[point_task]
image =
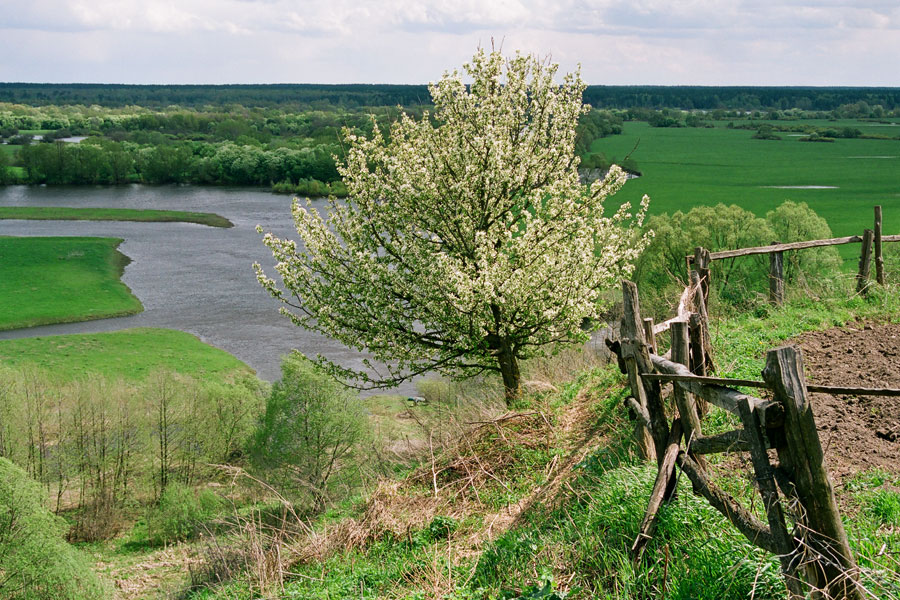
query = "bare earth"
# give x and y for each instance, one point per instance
(857, 433)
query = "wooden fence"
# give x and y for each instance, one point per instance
(700, 260)
(815, 556)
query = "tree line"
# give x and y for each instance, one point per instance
(353, 96)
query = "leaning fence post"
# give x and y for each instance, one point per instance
(830, 563)
(879, 259)
(865, 258)
(776, 277)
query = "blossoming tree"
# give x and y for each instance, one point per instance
(468, 242)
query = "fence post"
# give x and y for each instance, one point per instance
(647, 393)
(865, 259)
(649, 335)
(687, 407)
(776, 277)
(831, 567)
(701, 265)
(879, 259)
(765, 480)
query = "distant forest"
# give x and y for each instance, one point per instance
(316, 96)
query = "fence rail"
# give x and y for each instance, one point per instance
(871, 244)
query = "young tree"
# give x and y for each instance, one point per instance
(312, 426)
(468, 242)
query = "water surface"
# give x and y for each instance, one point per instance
(190, 277)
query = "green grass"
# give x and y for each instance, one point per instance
(686, 167)
(59, 213)
(131, 354)
(9, 149)
(47, 280)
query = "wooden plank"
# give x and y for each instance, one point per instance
(879, 258)
(729, 441)
(853, 239)
(709, 380)
(723, 397)
(865, 261)
(765, 480)
(662, 489)
(832, 568)
(752, 528)
(856, 391)
(776, 278)
(824, 389)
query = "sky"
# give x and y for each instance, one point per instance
(659, 42)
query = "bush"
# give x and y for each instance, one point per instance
(35, 561)
(181, 513)
(661, 270)
(309, 434)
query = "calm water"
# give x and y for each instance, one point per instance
(190, 277)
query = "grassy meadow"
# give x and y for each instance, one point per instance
(129, 354)
(685, 167)
(61, 213)
(47, 280)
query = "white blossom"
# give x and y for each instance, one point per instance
(468, 242)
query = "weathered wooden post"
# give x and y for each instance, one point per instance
(649, 335)
(830, 566)
(765, 479)
(865, 259)
(776, 277)
(701, 265)
(879, 259)
(636, 355)
(687, 407)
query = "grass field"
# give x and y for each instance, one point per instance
(60, 213)
(686, 167)
(131, 354)
(47, 280)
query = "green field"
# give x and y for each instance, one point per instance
(130, 354)
(60, 213)
(686, 167)
(47, 280)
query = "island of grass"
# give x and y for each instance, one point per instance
(129, 354)
(46, 280)
(61, 213)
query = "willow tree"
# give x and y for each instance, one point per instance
(468, 241)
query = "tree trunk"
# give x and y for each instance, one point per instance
(509, 370)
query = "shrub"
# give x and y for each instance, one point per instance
(35, 561)
(795, 222)
(181, 513)
(661, 269)
(309, 434)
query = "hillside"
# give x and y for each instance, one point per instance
(544, 501)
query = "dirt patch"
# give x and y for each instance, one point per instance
(857, 432)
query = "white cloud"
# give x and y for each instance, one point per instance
(824, 42)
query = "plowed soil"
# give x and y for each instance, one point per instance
(857, 432)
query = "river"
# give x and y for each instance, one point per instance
(190, 277)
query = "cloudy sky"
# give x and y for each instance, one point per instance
(701, 42)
